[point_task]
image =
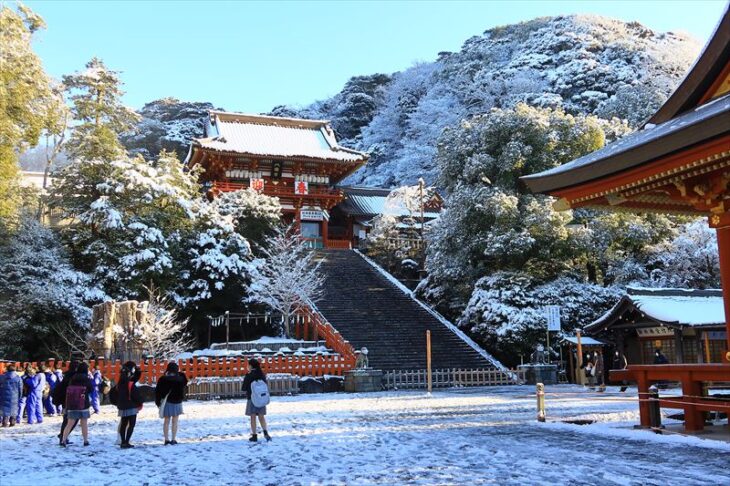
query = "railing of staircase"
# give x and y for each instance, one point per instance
(311, 325)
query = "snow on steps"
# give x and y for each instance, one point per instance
(496, 363)
(369, 308)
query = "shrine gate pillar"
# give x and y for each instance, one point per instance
(723, 246)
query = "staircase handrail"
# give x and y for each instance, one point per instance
(439, 317)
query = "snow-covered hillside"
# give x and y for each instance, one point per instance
(167, 124)
(584, 63)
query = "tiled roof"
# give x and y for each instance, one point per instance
(270, 136)
(360, 201)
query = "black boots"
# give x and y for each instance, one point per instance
(253, 438)
(266, 434)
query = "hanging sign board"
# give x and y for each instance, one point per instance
(257, 184)
(301, 187)
(654, 331)
(552, 313)
(311, 215)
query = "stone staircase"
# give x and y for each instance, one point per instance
(370, 310)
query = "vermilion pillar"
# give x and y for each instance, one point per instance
(723, 244)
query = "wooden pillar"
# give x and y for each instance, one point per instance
(723, 245)
(642, 383)
(325, 229)
(679, 346)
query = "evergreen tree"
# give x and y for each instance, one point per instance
(26, 98)
(96, 96)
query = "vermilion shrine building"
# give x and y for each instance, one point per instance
(299, 161)
(679, 162)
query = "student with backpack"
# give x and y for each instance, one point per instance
(169, 394)
(257, 393)
(128, 401)
(77, 403)
(59, 397)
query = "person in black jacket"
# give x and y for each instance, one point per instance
(59, 399)
(251, 410)
(80, 382)
(129, 401)
(170, 389)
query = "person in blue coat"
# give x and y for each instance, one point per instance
(35, 382)
(94, 395)
(23, 396)
(59, 378)
(11, 389)
(51, 379)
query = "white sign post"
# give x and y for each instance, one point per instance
(552, 313)
(553, 317)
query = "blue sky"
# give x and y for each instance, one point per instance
(251, 56)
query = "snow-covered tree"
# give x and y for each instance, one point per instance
(162, 333)
(254, 215)
(288, 278)
(126, 217)
(690, 260)
(505, 311)
(96, 96)
(39, 293)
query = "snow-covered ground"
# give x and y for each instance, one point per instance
(465, 436)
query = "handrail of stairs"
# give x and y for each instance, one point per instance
(441, 318)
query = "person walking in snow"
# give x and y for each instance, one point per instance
(59, 397)
(59, 378)
(35, 383)
(51, 382)
(11, 390)
(96, 380)
(129, 402)
(77, 403)
(169, 394)
(619, 363)
(599, 370)
(23, 397)
(589, 370)
(255, 375)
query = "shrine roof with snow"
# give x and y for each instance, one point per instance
(274, 137)
(668, 307)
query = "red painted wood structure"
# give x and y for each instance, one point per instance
(298, 161)
(308, 324)
(679, 162)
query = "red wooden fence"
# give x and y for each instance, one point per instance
(307, 323)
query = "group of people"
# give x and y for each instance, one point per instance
(34, 393)
(78, 390)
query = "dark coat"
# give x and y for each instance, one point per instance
(659, 358)
(172, 386)
(253, 375)
(82, 379)
(128, 396)
(11, 389)
(58, 396)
